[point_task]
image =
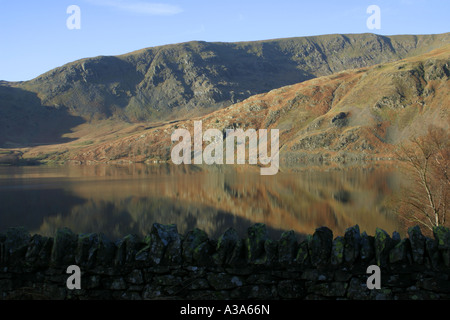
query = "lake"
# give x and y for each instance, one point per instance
(120, 200)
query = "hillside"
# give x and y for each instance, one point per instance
(354, 114)
(181, 81)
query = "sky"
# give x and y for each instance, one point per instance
(37, 36)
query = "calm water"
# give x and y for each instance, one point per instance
(119, 200)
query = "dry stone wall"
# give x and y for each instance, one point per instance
(167, 265)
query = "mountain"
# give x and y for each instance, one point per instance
(194, 78)
(351, 115)
(175, 81)
(105, 99)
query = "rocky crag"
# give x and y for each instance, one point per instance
(360, 114)
(194, 77)
(181, 81)
(167, 265)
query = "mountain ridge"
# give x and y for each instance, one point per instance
(39, 112)
(194, 78)
(358, 114)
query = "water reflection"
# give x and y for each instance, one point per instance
(118, 200)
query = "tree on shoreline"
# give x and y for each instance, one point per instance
(426, 200)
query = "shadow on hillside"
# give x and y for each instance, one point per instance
(266, 69)
(25, 122)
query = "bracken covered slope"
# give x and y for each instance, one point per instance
(183, 80)
(355, 114)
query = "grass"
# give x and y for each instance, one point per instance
(84, 143)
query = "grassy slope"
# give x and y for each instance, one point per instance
(384, 105)
(83, 109)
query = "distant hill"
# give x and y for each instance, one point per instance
(356, 114)
(192, 78)
(98, 100)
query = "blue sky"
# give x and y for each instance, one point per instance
(34, 36)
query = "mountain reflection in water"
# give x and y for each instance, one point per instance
(119, 200)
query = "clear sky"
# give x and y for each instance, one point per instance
(34, 36)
